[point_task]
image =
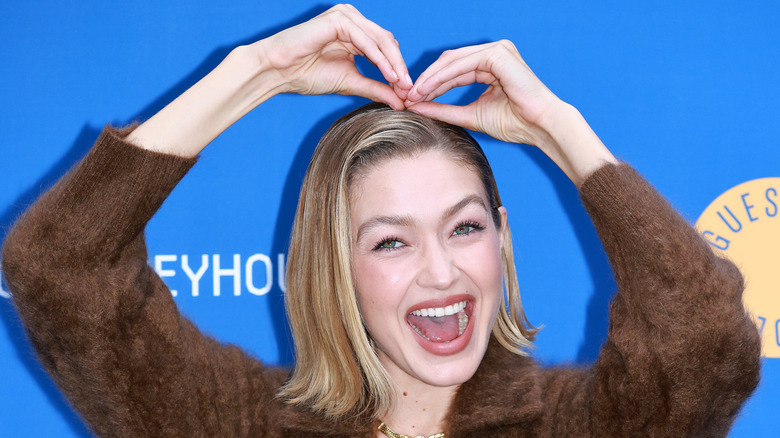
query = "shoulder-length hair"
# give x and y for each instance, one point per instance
(337, 371)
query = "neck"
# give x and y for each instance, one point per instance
(419, 409)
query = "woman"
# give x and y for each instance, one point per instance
(398, 260)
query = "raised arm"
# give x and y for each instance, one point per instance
(517, 107)
(103, 323)
(681, 355)
(316, 57)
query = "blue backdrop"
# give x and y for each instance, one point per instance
(687, 92)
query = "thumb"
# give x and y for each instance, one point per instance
(359, 85)
(462, 116)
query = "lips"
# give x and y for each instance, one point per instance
(442, 327)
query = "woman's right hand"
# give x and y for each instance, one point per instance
(315, 57)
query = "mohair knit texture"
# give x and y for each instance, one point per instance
(680, 358)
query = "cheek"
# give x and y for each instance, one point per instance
(379, 284)
(484, 266)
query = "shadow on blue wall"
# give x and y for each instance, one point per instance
(284, 221)
(597, 312)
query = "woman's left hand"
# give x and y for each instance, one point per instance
(517, 107)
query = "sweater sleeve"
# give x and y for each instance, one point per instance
(104, 324)
(681, 354)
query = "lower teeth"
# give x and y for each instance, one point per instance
(420, 333)
(463, 322)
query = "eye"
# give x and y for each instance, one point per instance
(389, 244)
(465, 228)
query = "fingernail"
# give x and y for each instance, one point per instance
(409, 80)
(395, 75)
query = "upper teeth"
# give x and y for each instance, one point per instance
(441, 311)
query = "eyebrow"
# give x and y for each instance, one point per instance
(407, 221)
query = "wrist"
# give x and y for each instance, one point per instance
(559, 121)
(262, 61)
(248, 78)
(572, 144)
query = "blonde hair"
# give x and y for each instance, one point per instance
(337, 371)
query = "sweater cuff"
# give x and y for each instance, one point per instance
(607, 179)
(114, 139)
(109, 197)
(638, 226)
(622, 206)
(118, 174)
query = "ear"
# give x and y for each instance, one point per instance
(502, 231)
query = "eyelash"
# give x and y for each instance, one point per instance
(474, 225)
(380, 246)
(471, 224)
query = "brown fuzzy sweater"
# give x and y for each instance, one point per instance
(680, 359)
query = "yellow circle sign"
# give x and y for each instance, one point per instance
(743, 225)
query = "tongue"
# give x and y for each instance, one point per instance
(436, 329)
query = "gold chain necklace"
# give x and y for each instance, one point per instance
(389, 432)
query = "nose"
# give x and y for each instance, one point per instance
(437, 268)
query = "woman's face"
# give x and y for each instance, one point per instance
(427, 266)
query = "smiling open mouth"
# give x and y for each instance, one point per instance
(440, 324)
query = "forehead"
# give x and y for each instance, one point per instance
(422, 184)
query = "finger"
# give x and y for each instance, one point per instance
(467, 78)
(362, 44)
(387, 45)
(489, 61)
(391, 50)
(371, 41)
(438, 72)
(339, 20)
(460, 72)
(359, 85)
(462, 116)
(400, 92)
